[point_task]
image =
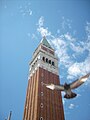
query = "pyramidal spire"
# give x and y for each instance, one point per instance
(45, 42)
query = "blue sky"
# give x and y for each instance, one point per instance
(66, 24)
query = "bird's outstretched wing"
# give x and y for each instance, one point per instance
(79, 82)
(52, 87)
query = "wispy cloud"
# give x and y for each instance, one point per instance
(81, 68)
(78, 69)
(66, 23)
(41, 29)
(25, 10)
(34, 37)
(41, 21)
(71, 106)
(88, 30)
(69, 37)
(73, 53)
(68, 48)
(60, 46)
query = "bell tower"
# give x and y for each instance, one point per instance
(42, 103)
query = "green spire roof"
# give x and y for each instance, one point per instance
(45, 42)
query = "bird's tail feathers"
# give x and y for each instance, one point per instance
(70, 96)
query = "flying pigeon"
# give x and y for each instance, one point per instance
(67, 88)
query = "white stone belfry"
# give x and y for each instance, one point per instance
(45, 58)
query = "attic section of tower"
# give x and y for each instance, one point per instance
(44, 46)
(45, 42)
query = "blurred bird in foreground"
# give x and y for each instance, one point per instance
(67, 88)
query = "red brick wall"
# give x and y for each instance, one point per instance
(52, 108)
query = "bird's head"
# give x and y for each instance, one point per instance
(66, 86)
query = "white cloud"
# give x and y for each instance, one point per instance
(29, 12)
(78, 69)
(66, 23)
(78, 48)
(61, 50)
(74, 69)
(34, 36)
(71, 106)
(41, 21)
(88, 30)
(87, 45)
(78, 95)
(25, 10)
(66, 42)
(43, 31)
(69, 37)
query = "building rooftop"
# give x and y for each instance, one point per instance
(45, 42)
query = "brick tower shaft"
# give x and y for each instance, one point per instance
(42, 103)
